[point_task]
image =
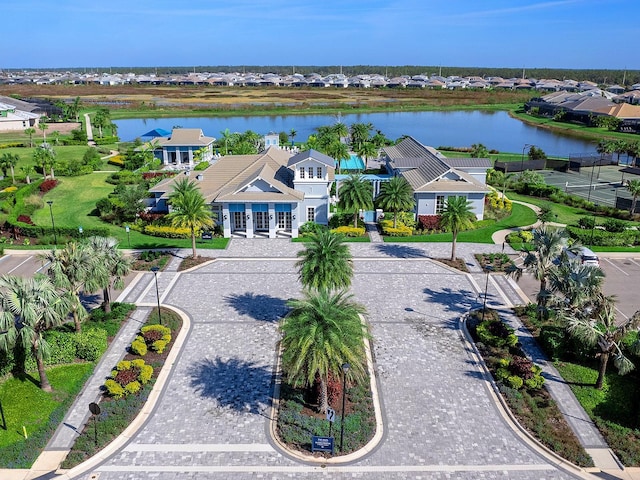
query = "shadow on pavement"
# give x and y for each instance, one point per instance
(236, 384)
(259, 307)
(401, 251)
(457, 301)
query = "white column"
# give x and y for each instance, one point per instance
(295, 219)
(226, 220)
(272, 221)
(249, 218)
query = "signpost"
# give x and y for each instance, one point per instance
(94, 408)
(322, 444)
(207, 236)
(331, 417)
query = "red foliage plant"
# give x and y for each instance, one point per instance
(48, 185)
(151, 217)
(429, 222)
(25, 219)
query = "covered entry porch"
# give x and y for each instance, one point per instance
(267, 220)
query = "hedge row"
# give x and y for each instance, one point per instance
(603, 238)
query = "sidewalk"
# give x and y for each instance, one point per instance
(501, 235)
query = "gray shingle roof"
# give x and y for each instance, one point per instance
(469, 162)
(314, 154)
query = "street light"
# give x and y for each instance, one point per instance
(487, 269)
(155, 274)
(80, 230)
(345, 369)
(53, 225)
(522, 159)
(593, 227)
(128, 230)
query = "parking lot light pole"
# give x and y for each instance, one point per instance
(522, 158)
(345, 369)
(128, 230)
(593, 227)
(53, 224)
(155, 274)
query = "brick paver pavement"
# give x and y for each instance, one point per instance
(439, 420)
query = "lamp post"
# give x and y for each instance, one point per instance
(593, 227)
(522, 158)
(487, 269)
(128, 230)
(155, 274)
(80, 230)
(53, 224)
(345, 369)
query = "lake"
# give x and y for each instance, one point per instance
(496, 130)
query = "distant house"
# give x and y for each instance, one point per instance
(434, 178)
(269, 194)
(183, 148)
(13, 119)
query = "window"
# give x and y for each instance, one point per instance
(319, 172)
(311, 214)
(310, 172)
(301, 172)
(439, 204)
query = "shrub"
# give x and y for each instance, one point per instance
(429, 222)
(342, 219)
(48, 185)
(156, 337)
(25, 219)
(159, 346)
(114, 389)
(10, 189)
(614, 225)
(146, 372)
(308, 228)
(62, 347)
(201, 166)
(399, 231)
(514, 382)
(496, 333)
(587, 222)
(33, 202)
(349, 231)
(91, 344)
(167, 232)
(132, 387)
(139, 346)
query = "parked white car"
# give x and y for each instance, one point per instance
(585, 256)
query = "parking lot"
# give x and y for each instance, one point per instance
(622, 273)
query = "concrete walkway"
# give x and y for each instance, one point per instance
(372, 230)
(500, 236)
(87, 120)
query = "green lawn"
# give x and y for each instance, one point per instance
(74, 202)
(520, 216)
(565, 214)
(25, 405)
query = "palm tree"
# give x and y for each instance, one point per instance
(634, 189)
(74, 108)
(45, 156)
(605, 332)
(340, 129)
(366, 150)
(29, 307)
(28, 170)
(75, 269)
(226, 137)
(116, 266)
(359, 134)
(355, 194)
(326, 262)
(548, 244)
(478, 150)
(11, 159)
(292, 134)
(396, 195)
(30, 131)
(322, 332)
(43, 126)
(338, 151)
(575, 285)
(182, 187)
(457, 215)
(190, 211)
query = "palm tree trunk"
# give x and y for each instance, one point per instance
(453, 246)
(106, 299)
(53, 177)
(355, 220)
(324, 396)
(44, 381)
(395, 219)
(604, 359)
(633, 204)
(76, 320)
(13, 176)
(193, 244)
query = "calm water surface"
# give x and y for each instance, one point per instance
(496, 130)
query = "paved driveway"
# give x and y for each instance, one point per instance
(212, 420)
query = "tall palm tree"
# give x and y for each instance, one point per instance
(573, 284)
(30, 131)
(45, 156)
(75, 269)
(190, 211)
(43, 126)
(634, 189)
(359, 134)
(603, 331)
(29, 307)
(322, 332)
(227, 137)
(116, 265)
(326, 262)
(338, 151)
(11, 159)
(28, 170)
(548, 243)
(366, 150)
(355, 193)
(478, 150)
(396, 195)
(457, 215)
(292, 134)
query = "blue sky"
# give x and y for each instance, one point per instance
(490, 33)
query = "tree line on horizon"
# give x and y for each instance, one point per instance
(600, 76)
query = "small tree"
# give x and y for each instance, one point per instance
(478, 150)
(396, 195)
(190, 211)
(355, 194)
(326, 262)
(634, 189)
(457, 215)
(30, 131)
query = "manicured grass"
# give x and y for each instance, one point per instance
(614, 409)
(520, 216)
(565, 214)
(74, 203)
(25, 404)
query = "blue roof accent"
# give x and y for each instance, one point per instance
(157, 132)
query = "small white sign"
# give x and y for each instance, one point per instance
(331, 414)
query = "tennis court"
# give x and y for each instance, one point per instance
(598, 184)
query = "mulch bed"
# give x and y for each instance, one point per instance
(458, 263)
(191, 262)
